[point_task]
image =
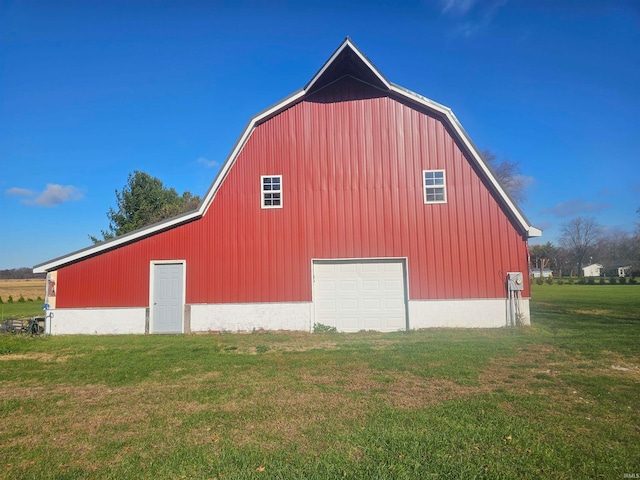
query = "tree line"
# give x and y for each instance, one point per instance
(583, 242)
(19, 274)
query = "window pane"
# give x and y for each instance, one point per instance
(435, 194)
(271, 188)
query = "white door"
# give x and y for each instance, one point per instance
(167, 298)
(360, 295)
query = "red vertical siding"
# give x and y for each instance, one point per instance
(351, 161)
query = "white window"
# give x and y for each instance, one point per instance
(271, 191)
(435, 189)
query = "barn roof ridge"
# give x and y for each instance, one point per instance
(346, 56)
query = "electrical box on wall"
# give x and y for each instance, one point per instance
(515, 281)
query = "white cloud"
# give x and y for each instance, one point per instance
(526, 181)
(475, 16)
(52, 196)
(457, 7)
(575, 206)
(208, 163)
(22, 192)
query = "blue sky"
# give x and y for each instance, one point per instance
(90, 91)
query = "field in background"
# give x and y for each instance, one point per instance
(555, 400)
(31, 288)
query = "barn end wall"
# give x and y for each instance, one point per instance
(482, 313)
(352, 162)
(96, 321)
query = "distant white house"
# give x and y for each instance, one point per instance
(593, 270)
(624, 271)
(535, 273)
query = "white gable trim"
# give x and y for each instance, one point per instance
(464, 138)
(127, 238)
(445, 112)
(347, 43)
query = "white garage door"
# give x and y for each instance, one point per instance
(360, 295)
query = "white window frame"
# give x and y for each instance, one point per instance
(430, 189)
(265, 193)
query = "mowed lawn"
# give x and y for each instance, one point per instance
(559, 399)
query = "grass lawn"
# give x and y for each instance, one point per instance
(559, 399)
(20, 309)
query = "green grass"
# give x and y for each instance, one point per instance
(555, 400)
(17, 309)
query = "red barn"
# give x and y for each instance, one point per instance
(352, 203)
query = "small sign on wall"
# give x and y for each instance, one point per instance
(52, 286)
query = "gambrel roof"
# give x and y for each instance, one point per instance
(347, 60)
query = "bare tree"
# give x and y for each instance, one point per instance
(508, 175)
(543, 255)
(562, 261)
(616, 248)
(579, 237)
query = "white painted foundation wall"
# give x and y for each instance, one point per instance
(476, 313)
(245, 317)
(96, 321)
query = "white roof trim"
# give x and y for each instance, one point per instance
(259, 118)
(462, 135)
(240, 145)
(204, 206)
(347, 43)
(127, 238)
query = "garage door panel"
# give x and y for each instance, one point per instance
(394, 285)
(327, 286)
(349, 285)
(392, 267)
(346, 268)
(393, 304)
(395, 324)
(349, 323)
(349, 304)
(360, 295)
(369, 267)
(371, 285)
(328, 303)
(371, 304)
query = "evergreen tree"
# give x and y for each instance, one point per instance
(143, 201)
